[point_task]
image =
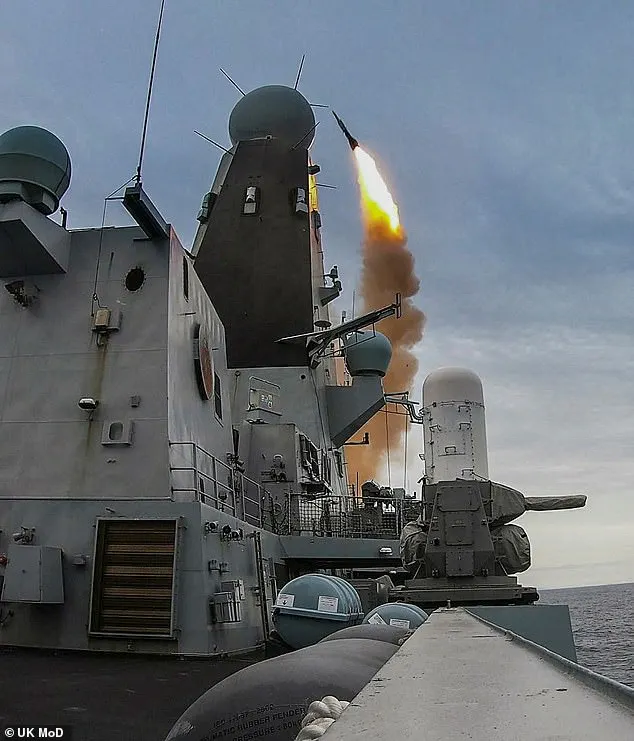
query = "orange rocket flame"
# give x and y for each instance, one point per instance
(378, 204)
(388, 269)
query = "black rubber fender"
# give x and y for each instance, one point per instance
(388, 633)
(268, 700)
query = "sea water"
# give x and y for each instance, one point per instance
(603, 625)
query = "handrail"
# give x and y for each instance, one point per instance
(327, 516)
(348, 517)
(231, 496)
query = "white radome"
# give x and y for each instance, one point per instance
(454, 426)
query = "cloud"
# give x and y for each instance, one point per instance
(532, 290)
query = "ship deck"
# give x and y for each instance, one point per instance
(459, 677)
(104, 697)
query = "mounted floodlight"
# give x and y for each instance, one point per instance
(88, 404)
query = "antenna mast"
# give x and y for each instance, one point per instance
(233, 82)
(299, 72)
(149, 93)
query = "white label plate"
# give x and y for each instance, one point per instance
(327, 604)
(377, 620)
(285, 600)
(399, 623)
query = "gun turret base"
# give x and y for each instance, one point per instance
(432, 593)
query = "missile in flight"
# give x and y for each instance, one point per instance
(351, 140)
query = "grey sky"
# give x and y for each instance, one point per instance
(506, 131)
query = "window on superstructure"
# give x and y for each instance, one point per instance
(326, 468)
(217, 397)
(115, 432)
(251, 201)
(185, 278)
(135, 279)
(339, 463)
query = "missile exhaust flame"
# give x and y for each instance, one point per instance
(388, 268)
(376, 199)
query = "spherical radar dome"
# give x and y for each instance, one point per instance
(276, 111)
(452, 384)
(34, 165)
(367, 353)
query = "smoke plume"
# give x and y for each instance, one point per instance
(388, 269)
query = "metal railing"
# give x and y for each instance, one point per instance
(352, 517)
(196, 471)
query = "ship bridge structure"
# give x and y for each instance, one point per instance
(172, 420)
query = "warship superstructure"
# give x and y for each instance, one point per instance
(174, 421)
(173, 425)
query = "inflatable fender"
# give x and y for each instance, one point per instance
(268, 700)
(388, 633)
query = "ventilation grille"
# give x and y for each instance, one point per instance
(133, 580)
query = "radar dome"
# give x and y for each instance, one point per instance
(452, 384)
(454, 426)
(276, 111)
(34, 166)
(367, 353)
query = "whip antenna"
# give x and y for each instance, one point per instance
(149, 93)
(299, 72)
(232, 81)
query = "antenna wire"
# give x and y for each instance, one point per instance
(149, 93)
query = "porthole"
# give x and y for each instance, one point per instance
(135, 279)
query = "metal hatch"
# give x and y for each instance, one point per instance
(134, 578)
